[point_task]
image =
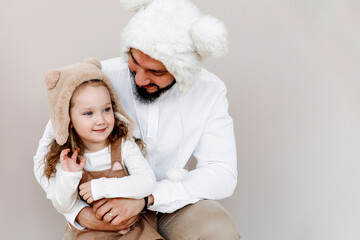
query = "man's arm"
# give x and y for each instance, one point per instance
(48, 185)
(215, 176)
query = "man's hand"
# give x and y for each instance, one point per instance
(69, 164)
(87, 219)
(85, 192)
(118, 210)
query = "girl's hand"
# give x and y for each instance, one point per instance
(69, 164)
(85, 192)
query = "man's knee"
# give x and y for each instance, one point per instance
(215, 222)
(203, 220)
(68, 234)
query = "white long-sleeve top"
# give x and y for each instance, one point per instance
(140, 182)
(176, 127)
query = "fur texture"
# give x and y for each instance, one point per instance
(175, 33)
(61, 84)
(209, 36)
(134, 5)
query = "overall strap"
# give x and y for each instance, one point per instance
(116, 152)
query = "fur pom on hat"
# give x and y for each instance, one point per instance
(175, 33)
(61, 84)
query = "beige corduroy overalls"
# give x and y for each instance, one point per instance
(145, 227)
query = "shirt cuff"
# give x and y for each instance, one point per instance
(71, 178)
(71, 217)
(97, 188)
(170, 196)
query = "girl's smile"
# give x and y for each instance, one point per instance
(100, 130)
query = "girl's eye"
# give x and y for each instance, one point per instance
(88, 113)
(107, 109)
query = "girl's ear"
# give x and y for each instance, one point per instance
(52, 78)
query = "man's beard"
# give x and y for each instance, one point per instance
(143, 96)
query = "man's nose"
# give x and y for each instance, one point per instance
(142, 78)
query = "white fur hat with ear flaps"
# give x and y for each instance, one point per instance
(61, 84)
(175, 33)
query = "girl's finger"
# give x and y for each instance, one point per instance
(86, 196)
(75, 154)
(64, 153)
(82, 162)
(82, 193)
(84, 185)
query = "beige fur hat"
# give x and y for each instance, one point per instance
(61, 84)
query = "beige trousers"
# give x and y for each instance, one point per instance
(205, 219)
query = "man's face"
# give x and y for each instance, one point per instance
(151, 76)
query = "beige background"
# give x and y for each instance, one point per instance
(294, 91)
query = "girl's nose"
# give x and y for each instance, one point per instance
(100, 119)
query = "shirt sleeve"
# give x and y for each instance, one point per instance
(65, 196)
(140, 182)
(215, 176)
(48, 185)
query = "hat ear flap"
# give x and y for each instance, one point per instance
(209, 36)
(52, 78)
(135, 5)
(122, 118)
(93, 61)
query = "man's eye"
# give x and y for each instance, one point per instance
(157, 74)
(88, 113)
(132, 72)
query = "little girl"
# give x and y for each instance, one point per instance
(94, 149)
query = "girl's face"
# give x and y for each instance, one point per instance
(92, 116)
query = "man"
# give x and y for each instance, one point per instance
(180, 110)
